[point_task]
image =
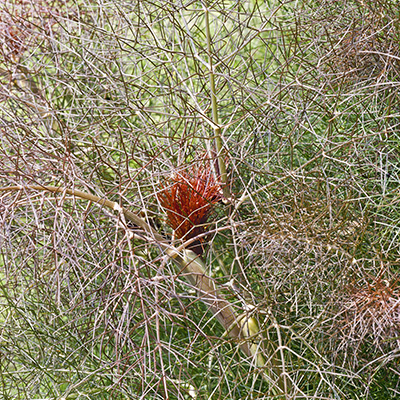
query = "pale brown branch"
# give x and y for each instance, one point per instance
(190, 265)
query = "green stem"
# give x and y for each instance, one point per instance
(214, 106)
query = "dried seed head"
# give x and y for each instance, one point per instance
(373, 310)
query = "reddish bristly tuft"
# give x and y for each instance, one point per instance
(189, 198)
(374, 310)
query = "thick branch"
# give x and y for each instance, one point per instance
(190, 265)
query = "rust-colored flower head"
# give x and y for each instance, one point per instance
(374, 310)
(189, 198)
